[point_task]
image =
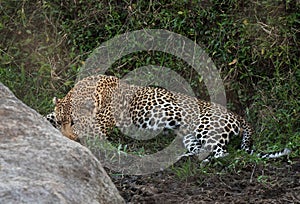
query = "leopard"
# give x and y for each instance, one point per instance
(101, 102)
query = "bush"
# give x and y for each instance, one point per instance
(255, 46)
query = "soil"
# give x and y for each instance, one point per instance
(268, 183)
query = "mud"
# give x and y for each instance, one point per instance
(268, 183)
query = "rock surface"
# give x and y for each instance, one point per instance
(39, 165)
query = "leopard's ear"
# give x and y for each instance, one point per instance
(55, 100)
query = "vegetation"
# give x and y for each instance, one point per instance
(254, 44)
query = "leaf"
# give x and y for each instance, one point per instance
(233, 62)
(245, 22)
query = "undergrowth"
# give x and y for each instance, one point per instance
(254, 44)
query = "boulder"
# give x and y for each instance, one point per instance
(39, 165)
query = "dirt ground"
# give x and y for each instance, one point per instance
(253, 184)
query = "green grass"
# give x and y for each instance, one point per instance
(255, 45)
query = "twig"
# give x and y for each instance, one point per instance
(251, 178)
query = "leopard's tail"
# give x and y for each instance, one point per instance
(273, 155)
(246, 144)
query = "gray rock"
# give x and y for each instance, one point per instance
(39, 165)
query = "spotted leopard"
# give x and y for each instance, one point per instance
(102, 102)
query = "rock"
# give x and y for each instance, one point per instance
(39, 165)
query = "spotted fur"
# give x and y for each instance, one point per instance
(102, 102)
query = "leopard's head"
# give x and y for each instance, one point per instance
(63, 112)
